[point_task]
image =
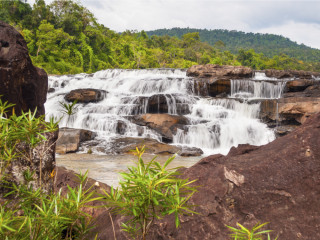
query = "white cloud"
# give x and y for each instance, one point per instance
(306, 33)
(298, 20)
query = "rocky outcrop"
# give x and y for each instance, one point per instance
(164, 124)
(300, 85)
(20, 82)
(280, 74)
(214, 80)
(216, 72)
(277, 183)
(128, 144)
(293, 108)
(69, 139)
(86, 95)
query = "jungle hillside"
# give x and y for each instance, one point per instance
(64, 37)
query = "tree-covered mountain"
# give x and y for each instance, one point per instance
(233, 41)
(65, 37)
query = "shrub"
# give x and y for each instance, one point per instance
(148, 192)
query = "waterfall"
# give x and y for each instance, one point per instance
(256, 89)
(215, 125)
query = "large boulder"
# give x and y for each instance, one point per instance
(277, 183)
(20, 82)
(300, 85)
(85, 95)
(164, 124)
(70, 138)
(290, 111)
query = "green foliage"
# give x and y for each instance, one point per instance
(268, 44)
(64, 38)
(147, 192)
(242, 233)
(14, 130)
(35, 214)
(32, 213)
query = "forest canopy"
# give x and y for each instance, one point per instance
(64, 37)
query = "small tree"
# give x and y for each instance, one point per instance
(148, 192)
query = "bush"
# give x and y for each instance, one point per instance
(148, 192)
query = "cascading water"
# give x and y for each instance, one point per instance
(215, 125)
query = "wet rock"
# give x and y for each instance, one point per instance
(20, 82)
(215, 79)
(190, 151)
(159, 103)
(289, 111)
(70, 138)
(51, 90)
(290, 74)
(121, 127)
(85, 95)
(164, 124)
(215, 72)
(126, 145)
(219, 88)
(300, 85)
(310, 91)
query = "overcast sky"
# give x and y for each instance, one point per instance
(297, 20)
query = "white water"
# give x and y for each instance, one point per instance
(215, 124)
(256, 89)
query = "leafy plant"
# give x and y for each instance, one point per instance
(29, 212)
(147, 192)
(69, 108)
(47, 216)
(242, 233)
(25, 129)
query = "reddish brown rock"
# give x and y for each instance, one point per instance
(20, 82)
(166, 125)
(291, 74)
(293, 110)
(214, 80)
(215, 72)
(300, 85)
(277, 183)
(85, 95)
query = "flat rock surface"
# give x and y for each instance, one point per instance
(70, 138)
(215, 71)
